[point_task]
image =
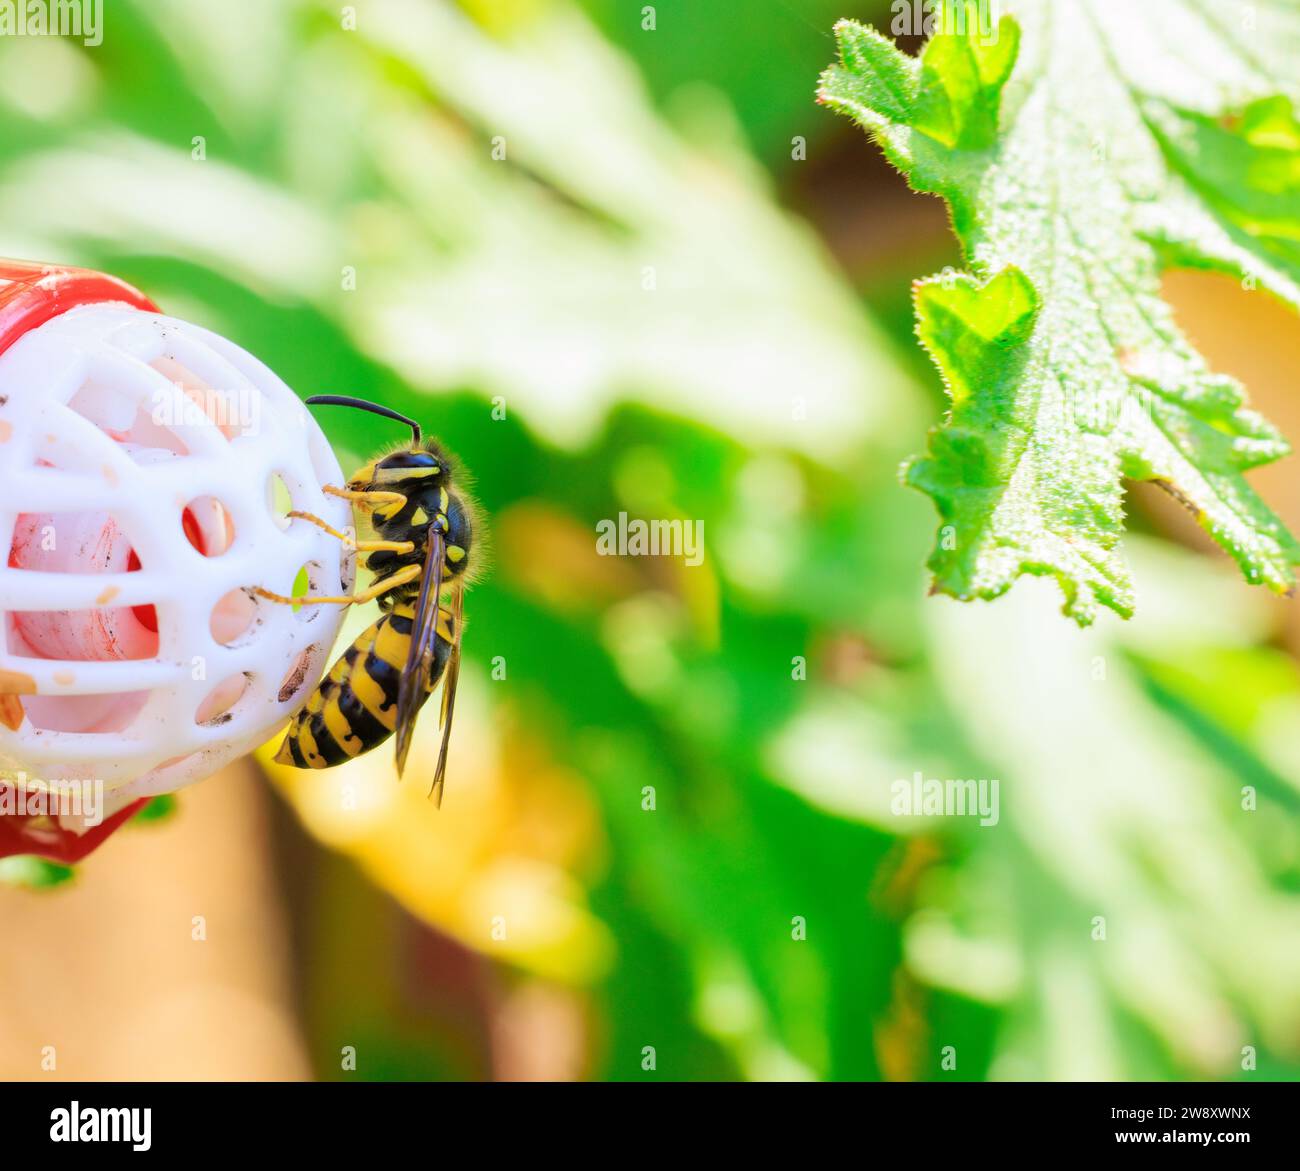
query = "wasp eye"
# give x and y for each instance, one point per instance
(409, 459)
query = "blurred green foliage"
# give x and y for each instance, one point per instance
(771, 916)
(157, 809)
(24, 870)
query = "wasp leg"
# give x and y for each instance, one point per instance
(373, 498)
(406, 574)
(351, 542)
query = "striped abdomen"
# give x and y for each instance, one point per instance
(354, 708)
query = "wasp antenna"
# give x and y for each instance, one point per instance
(343, 400)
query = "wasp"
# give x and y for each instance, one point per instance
(424, 524)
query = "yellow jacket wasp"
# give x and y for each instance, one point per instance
(379, 684)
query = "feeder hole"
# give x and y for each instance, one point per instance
(107, 634)
(147, 616)
(208, 526)
(68, 542)
(84, 714)
(142, 427)
(302, 586)
(280, 500)
(232, 617)
(216, 707)
(294, 681)
(82, 543)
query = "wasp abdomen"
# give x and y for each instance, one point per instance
(354, 708)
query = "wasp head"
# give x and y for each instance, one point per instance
(405, 470)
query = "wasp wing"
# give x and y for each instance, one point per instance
(413, 687)
(450, 679)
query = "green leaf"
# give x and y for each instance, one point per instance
(1081, 156)
(33, 873)
(160, 808)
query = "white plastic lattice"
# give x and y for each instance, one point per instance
(139, 458)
